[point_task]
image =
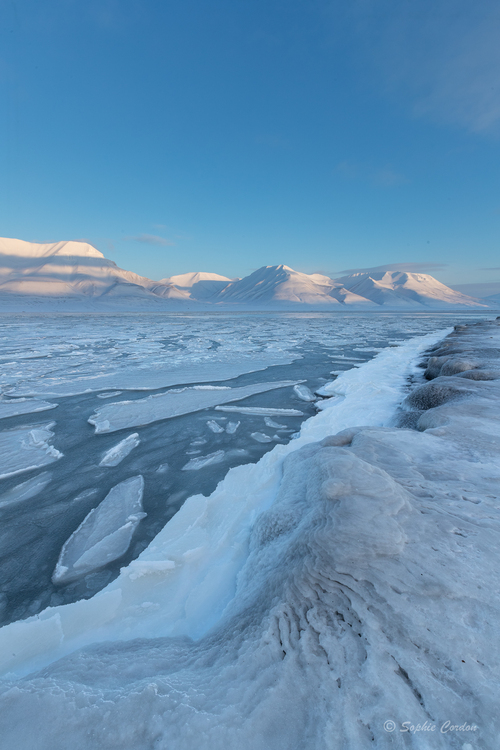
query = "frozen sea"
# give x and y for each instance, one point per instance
(160, 393)
(281, 533)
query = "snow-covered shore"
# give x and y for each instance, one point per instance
(330, 588)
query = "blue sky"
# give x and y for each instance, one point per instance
(222, 135)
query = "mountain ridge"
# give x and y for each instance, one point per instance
(74, 275)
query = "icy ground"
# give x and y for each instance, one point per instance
(328, 589)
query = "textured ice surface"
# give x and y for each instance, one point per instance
(13, 407)
(123, 414)
(195, 464)
(71, 354)
(231, 427)
(118, 452)
(76, 354)
(25, 448)
(104, 534)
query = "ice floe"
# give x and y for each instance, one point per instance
(118, 452)
(14, 407)
(271, 423)
(195, 464)
(25, 490)
(105, 533)
(214, 427)
(122, 414)
(231, 427)
(304, 393)
(260, 437)
(261, 410)
(26, 448)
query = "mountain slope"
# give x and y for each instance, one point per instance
(406, 290)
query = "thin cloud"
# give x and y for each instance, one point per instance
(495, 268)
(150, 239)
(409, 267)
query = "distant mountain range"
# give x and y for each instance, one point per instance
(74, 276)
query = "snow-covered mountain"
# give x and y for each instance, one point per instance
(403, 289)
(280, 286)
(76, 276)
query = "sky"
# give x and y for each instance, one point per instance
(224, 135)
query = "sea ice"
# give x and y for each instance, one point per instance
(14, 407)
(276, 425)
(195, 464)
(313, 598)
(109, 394)
(231, 427)
(26, 448)
(214, 427)
(105, 533)
(261, 410)
(304, 393)
(260, 437)
(123, 414)
(25, 490)
(118, 452)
